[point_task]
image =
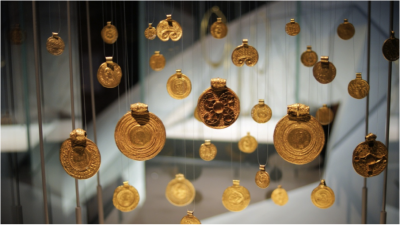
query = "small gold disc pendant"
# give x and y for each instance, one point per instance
(109, 73)
(126, 197)
(280, 196)
(390, 48)
(17, 36)
(190, 219)
(180, 191)
(358, 88)
(55, 44)
(169, 28)
(309, 57)
(292, 28)
(236, 198)
(207, 151)
(346, 30)
(323, 196)
(157, 61)
(179, 85)
(262, 178)
(324, 115)
(244, 54)
(324, 71)
(218, 29)
(150, 32)
(109, 33)
(261, 113)
(247, 144)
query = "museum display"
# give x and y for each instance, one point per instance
(207, 151)
(55, 44)
(150, 32)
(179, 85)
(279, 196)
(323, 196)
(309, 57)
(261, 113)
(324, 71)
(169, 29)
(218, 29)
(346, 30)
(358, 88)
(244, 54)
(390, 48)
(324, 115)
(109, 73)
(236, 197)
(180, 191)
(109, 33)
(190, 219)
(292, 28)
(157, 61)
(126, 197)
(247, 144)
(262, 178)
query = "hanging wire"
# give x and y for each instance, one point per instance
(194, 168)
(173, 7)
(81, 67)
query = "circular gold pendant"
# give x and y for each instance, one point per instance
(218, 29)
(324, 71)
(150, 32)
(309, 57)
(196, 114)
(324, 115)
(390, 48)
(236, 198)
(358, 88)
(261, 113)
(157, 61)
(109, 33)
(322, 196)
(248, 143)
(180, 191)
(218, 106)
(139, 134)
(292, 28)
(299, 137)
(55, 44)
(280, 196)
(126, 197)
(179, 85)
(169, 28)
(109, 73)
(207, 151)
(190, 219)
(79, 156)
(370, 157)
(16, 35)
(346, 30)
(262, 178)
(244, 54)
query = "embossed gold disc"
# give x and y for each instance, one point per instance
(346, 30)
(109, 73)
(358, 88)
(196, 114)
(298, 136)
(126, 197)
(370, 157)
(55, 44)
(244, 54)
(150, 32)
(79, 156)
(190, 219)
(280, 196)
(236, 198)
(207, 151)
(324, 71)
(292, 28)
(139, 134)
(219, 106)
(179, 85)
(309, 57)
(262, 178)
(390, 48)
(218, 29)
(261, 113)
(322, 196)
(247, 144)
(169, 28)
(157, 61)
(324, 115)
(17, 36)
(180, 191)
(109, 33)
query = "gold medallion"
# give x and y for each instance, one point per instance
(109, 73)
(179, 85)
(109, 33)
(298, 136)
(358, 88)
(244, 54)
(261, 113)
(218, 29)
(16, 35)
(169, 28)
(218, 105)
(324, 71)
(248, 143)
(280, 196)
(157, 61)
(150, 32)
(139, 134)
(126, 197)
(323, 196)
(309, 57)
(180, 191)
(79, 156)
(262, 178)
(207, 151)
(390, 48)
(196, 114)
(324, 115)
(236, 198)
(370, 157)
(292, 28)
(346, 30)
(55, 44)
(190, 219)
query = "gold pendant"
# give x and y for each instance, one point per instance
(280, 196)
(322, 196)
(358, 88)
(139, 134)
(218, 29)
(218, 106)
(207, 151)
(248, 143)
(324, 115)
(236, 198)
(261, 113)
(150, 32)
(370, 157)
(244, 53)
(109, 33)
(196, 114)
(390, 48)
(190, 219)
(324, 71)
(346, 30)
(309, 57)
(292, 28)
(157, 61)
(79, 156)
(179, 85)
(169, 28)
(17, 37)
(126, 197)
(109, 73)
(298, 136)
(180, 191)
(262, 178)
(55, 44)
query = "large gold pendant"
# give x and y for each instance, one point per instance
(79, 156)
(218, 29)
(261, 113)
(190, 219)
(126, 197)
(324, 71)
(370, 157)
(139, 134)
(324, 115)
(17, 36)
(244, 54)
(218, 106)
(179, 85)
(196, 114)
(298, 136)
(292, 28)
(109, 33)
(323, 196)
(236, 198)
(346, 30)
(109, 73)
(157, 61)
(358, 88)
(279, 196)
(390, 48)
(262, 178)
(55, 44)
(207, 151)
(247, 144)
(180, 191)
(309, 57)
(169, 28)
(150, 32)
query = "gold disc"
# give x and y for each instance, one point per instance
(280, 196)
(358, 88)
(109, 74)
(292, 28)
(179, 85)
(324, 115)
(16, 35)
(190, 219)
(196, 114)
(262, 178)
(109, 33)
(324, 71)
(218, 106)
(309, 57)
(390, 48)
(322, 196)
(244, 54)
(79, 156)
(139, 134)
(150, 32)
(346, 30)
(370, 157)
(247, 144)
(126, 197)
(55, 44)
(207, 151)
(157, 61)
(218, 29)
(169, 28)
(261, 113)
(236, 198)
(180, 191)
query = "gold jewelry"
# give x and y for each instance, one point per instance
(358, 88)
(157, 61)
(346, 30)
(309, 57)
(324, 71)
(244, 53)
(109, 33)
(150, 32)
(390, 48)
(17, 36)
(179, 85)
(292, 28)
(207, 151)
(196, 114)
(169, 28)
(247, 144)
(218, 29)
(280, 196)
(261, 113)
(180, 191)
(55, 44)
(190, 219)
(236, 198)
(109, 73)
(324, 115)
(262, 178)
(322, 196)
(126, 197)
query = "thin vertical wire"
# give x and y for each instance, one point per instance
(194, 168)
(81, 70)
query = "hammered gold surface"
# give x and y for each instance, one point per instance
(190, 219)
(322, 196)
(292, 28)
(109, 33)
(126, 197)
(207, 151)
(358, 88)
(150, 32)
(157, 61)
(179, 85)
(236, 198)
(169, 29)
(262, 179)
(309, 57)
(261, 113)
(247, 144)
(109, 74)
(17, 36)
(55, 45)
(324, 115)
(390, 48)
(280, 196)
(346, 30)
(324, 72)
(218, 29)
(196, 114)
(244, 54)
(180, 191)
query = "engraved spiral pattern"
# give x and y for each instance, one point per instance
(244, 55)
(169, 29)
